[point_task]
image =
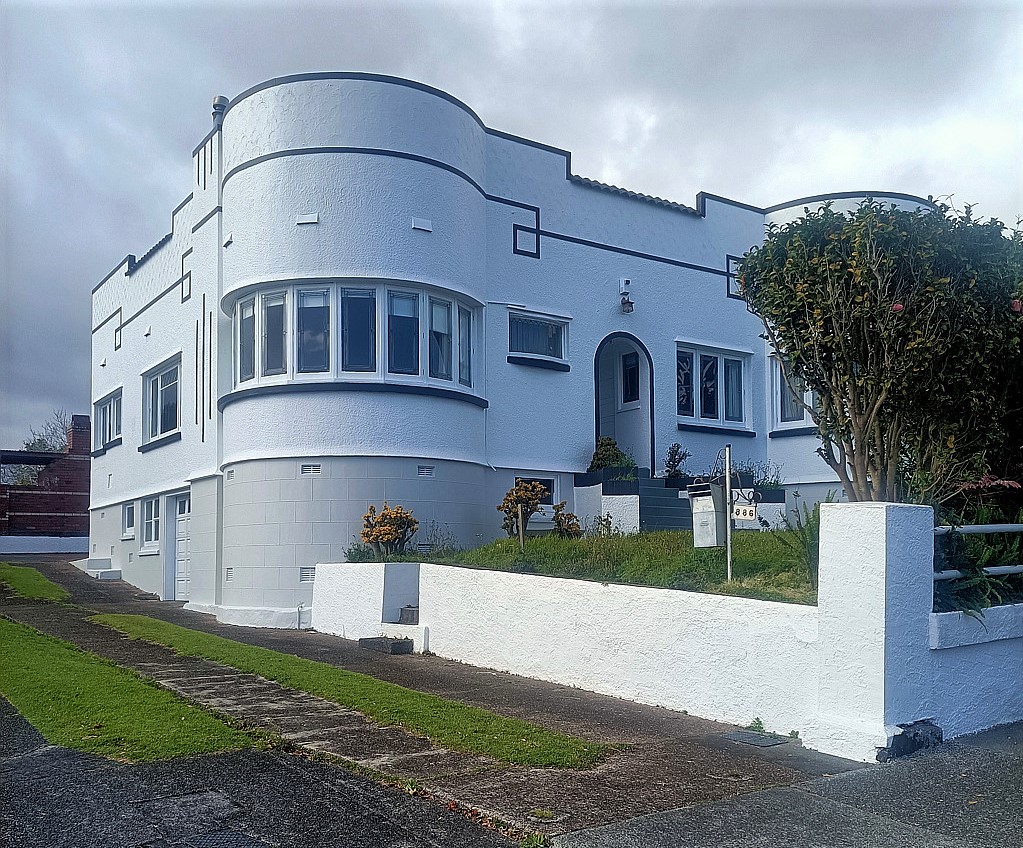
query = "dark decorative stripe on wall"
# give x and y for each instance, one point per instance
(792, 432)
(350, 386)
(206, 217)
(539, 363)
(197, 390)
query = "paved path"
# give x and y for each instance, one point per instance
(964, 794)
(671, 760)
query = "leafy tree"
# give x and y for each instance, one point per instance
(51, 436)
(906, 325)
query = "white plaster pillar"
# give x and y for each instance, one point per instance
(874, 604)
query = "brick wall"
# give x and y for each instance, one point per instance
(58, 505)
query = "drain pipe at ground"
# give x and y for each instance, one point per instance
(299, 611)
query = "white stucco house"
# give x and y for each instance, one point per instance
(368, 294)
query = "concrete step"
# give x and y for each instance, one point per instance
(387, 645)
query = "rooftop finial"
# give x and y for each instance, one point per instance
(220, 104)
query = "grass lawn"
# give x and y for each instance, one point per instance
(763, 566)
(79, 700)
(447, 723)
(29, 583)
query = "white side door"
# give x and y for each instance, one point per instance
(182, 548)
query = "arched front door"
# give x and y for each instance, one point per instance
(623, 385)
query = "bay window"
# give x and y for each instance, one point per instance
(287, 334)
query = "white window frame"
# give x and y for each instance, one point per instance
(424, 296)
(128, 529)
(721, 354)
(545, 318)
(151, 518)
(622, 404)
(778, 385)
(241, 304)
(152, 376)
(107, 417)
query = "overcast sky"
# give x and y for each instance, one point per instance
(101, 105)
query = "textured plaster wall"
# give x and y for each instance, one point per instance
(719, 657)
(848, 674)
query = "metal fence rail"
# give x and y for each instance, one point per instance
(976, 530)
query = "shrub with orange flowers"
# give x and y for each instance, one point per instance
(389, 531)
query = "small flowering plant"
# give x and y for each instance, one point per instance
(389, 531)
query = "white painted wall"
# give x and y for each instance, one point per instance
(847, 674)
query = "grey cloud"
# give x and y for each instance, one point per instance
(762, 102)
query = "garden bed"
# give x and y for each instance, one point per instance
(763, 566)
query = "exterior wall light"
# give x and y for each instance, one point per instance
(625, 290)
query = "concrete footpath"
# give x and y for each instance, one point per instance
(677, 780)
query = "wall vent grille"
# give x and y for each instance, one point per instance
(426, 470)
(424, 547)
(313, 468)
(230, 474)
(307, 574)
(228, 574)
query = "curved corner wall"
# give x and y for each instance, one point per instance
(324, 176)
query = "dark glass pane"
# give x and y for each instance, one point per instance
(530, 335)
(247, 342)
(464, 346)
(733, 390)
(440, 339)
(169, 401)
(684, 372)
(358, 326)
(790, 408)
(708, 386)
(313, 332)
(630, 377)
(273, 336)
(403, 334)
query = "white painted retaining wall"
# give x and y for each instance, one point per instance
(846, 674)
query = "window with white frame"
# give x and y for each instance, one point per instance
(151, 523)
(629, 378)
(246, 340)
(791, 401)
(358, 330)
(107, 416)
(161, 395)
(402, 333)
(441, 343)
(313, 337)
(128, 520)
(464, 346)
(275, 334)
(710, 386)
(536, 336)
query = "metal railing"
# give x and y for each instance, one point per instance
(975, 530)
